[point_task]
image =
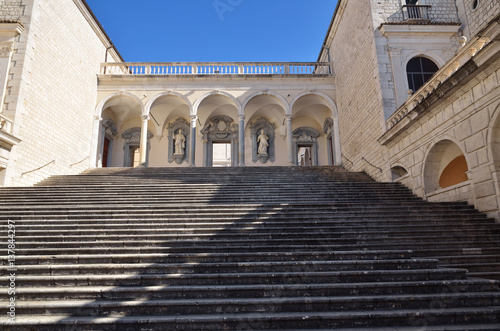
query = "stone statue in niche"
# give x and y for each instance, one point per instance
(180, 143)
(263, 141)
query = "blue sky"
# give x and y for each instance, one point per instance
(215, 30)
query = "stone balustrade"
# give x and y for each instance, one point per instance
(211, 68)
(455, 63)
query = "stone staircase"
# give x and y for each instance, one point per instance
(245, 248)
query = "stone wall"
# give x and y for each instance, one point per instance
(479, 17)
(441, 11)
(52, 91)
(468, 118)
(359, 97)
(11, 10)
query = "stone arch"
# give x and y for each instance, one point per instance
(101, 106)
(229, 96)
(218, 112)
(494, 136)
(123, 105)
(150, 103)
(445, 165)
(171, 111)
(325, 97)
(329, 111)
(493, 143)
(429, 54)
(284, 103)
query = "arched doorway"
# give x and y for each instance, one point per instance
(305, 146)
(220, 138)
(317, 113)
(218, 110)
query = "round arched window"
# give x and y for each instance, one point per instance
(419, 70)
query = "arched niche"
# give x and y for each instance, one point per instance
(262, 133)
(398, 172)
(445, 166)
(178, 133)
(305, 141)
(219, 129)
(131, 146)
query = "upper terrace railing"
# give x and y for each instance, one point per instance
(416, 12)
(216, 68)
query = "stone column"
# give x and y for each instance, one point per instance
(241, 146)
(144, 139)
(289, 139)
(192, 141)
(96, 143)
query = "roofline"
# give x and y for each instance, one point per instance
(323, 46)
(94, 18)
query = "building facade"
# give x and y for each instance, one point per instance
(404, 90)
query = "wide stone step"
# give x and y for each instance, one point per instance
(147, 215)
(153, 277)
(255, 291)
(63, 257)
(138, 263)
(294, 223)
(255, 230)
(147, 247)
(254, 305)
(263, 320)
(329, 238)
(245, 248)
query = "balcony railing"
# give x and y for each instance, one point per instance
(416, 12)
(214, 69)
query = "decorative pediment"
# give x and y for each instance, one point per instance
(110, 127)
(304, 134)
(133, 135)
(219, 127)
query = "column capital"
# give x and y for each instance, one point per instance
(193, 117)
(145, 117)
(97, 118)
(6, 49)
(241, 117)
(288, 117)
